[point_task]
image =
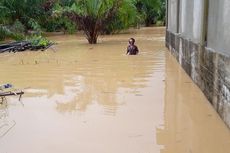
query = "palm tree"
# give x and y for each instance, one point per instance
(93, 16)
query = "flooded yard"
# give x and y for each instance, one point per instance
(82, 98)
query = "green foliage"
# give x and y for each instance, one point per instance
(18, 27)
(37, 40)
(94, 17)
(17, 36)
(4, 32)
(53, 24)
(159, 23)
(126, 16)
(152, 10)
(69, 26)
(33, 24)
(22, 10)
(16, 17)
(60, 23)
(4, 14)
(100, 16)
(162, 12)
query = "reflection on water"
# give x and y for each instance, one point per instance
(94, 98)
(6, 124)
(191, 125)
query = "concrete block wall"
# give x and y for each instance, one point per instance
(219, 26)
(209, 69)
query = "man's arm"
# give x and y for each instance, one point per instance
(137, 49)
(127, 50)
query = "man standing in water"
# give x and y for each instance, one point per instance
(132, 49)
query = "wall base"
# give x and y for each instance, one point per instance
(207, 68)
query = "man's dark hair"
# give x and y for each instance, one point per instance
(133, 39)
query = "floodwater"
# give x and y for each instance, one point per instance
(84, 98)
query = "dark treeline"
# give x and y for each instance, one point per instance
(20, 18)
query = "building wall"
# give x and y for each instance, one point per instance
(191, 19)
(203, 50)
(172, 17)
(219, 26)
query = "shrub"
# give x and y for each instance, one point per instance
(18, 27)
(37, 40)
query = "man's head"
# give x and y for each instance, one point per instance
(131, 41)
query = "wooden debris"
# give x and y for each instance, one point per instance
(8, 90)
(3, 94)
(22, 46)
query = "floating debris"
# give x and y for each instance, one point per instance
(8, 90)
(34, 44)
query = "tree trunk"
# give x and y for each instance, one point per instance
(148, 22)
(92, 38)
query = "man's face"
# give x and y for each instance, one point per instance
(131, 42)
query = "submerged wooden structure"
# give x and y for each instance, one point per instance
(3, 95)
(7, 90)
(22, 46)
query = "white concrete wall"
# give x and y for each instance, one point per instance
(191, 19)
(172, 15)
(219, 26)
(198, 19)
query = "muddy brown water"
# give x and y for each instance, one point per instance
(94, 99)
